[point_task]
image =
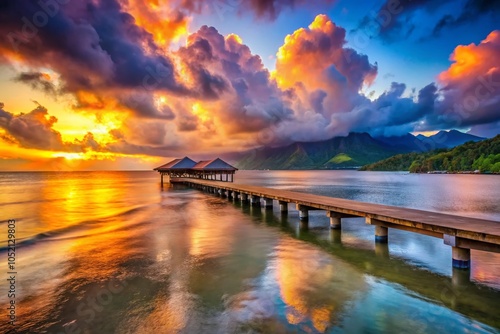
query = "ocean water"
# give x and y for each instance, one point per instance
(114, 252)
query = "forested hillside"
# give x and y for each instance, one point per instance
(483, 156)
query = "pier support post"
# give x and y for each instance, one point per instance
(283, 207)
(244, 197)
(229, 194)
(381, 234)
(254, 200)
(303, 212)
(268, 202)
(235, 195)
(461, 257)
(335, 223)
(162, 180)
(335, 220)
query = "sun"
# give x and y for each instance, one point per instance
(69, 156)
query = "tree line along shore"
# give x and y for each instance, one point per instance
(473, 157)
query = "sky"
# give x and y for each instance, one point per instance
(130, 84)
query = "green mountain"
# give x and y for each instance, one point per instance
(483, 156)
(354, 150)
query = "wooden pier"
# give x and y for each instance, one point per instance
(461, 233)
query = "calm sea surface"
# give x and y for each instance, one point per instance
(112, 252)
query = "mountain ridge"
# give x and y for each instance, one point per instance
(351, 151)
(447, 139)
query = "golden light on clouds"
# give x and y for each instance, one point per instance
(473, 60)
(465, 60)
(202, 114)
(89, 155)
(234, 37)
(158, 17)
(69, 156)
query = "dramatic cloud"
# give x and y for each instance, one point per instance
(470, 93)
(268, 9)
(466, 95)
(39, 81)
(324, 76)
(168, 20)
(93, 45)
(145, 105)
(105, 57)
(326, 79)
(272, 8)
(164, 19)
(321, 49)
(252, 101)
(33, 130)
(391, 114)
(111, 61)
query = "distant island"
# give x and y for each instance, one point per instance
(475, 157)
(351, 152)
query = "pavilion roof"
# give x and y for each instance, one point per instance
(184, 163)
(214, 164)
(189, 164)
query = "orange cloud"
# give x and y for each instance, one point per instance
(325, 77)
(472, 60)
(160, 18)
(471, 85)
(312, 55)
